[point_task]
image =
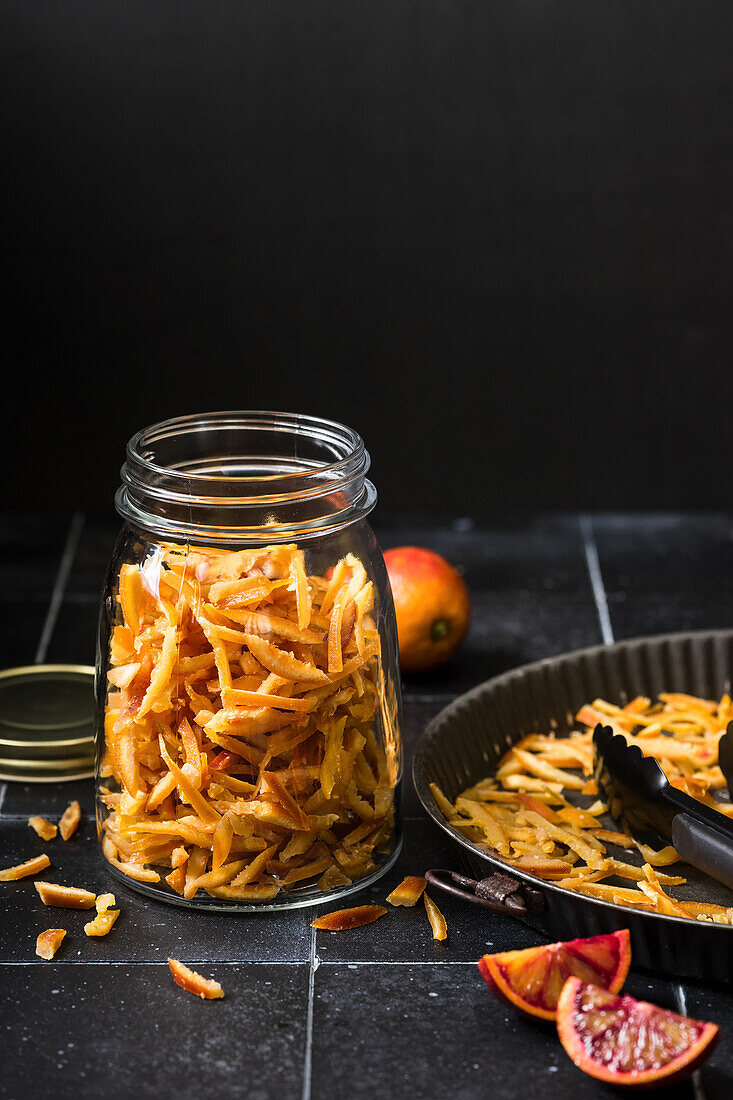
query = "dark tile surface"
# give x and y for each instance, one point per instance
(50, 799)
(146, 931)
(393, 1012)
(664, 573)
(74, 636)
(120, 1031)
(94, 550)
(416, 718)
(435, 1030)
(23, 621)
(31, 547)
(702, 1004)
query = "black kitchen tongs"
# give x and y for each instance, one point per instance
(636, 789)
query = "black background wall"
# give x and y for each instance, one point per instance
(497, 238)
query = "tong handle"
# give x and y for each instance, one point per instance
(499, 892)
(703, 847)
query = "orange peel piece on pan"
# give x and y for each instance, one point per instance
(49, 942)
(205, 988)
(177, 879)
(22, 870)
(343, 919)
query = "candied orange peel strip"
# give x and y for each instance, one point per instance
(206, 989)
(408, 892)
(242, 715)
(44, 828)
(22, 870)
(436, 918)
(106, 916)
(522, 812)
(343, 919)
(102, 923)
(49, 942)
(70, 820)
(66, 897)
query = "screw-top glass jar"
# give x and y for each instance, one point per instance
(248, 743)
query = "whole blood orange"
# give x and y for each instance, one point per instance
(532, 980)
(432, 604)
(623, 1041)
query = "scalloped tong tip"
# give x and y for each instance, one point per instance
(637, 791)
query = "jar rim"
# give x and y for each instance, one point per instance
(308, 476)
(262, 419)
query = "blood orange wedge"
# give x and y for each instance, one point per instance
(627, 1042)
(532, 980)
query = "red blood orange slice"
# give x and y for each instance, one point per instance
(532, 980)
(623, 1041)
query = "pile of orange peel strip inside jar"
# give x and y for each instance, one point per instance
(246, 725)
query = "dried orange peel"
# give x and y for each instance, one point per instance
(102, 923)
(66, 897)
(105, 918)
(409, 891)
(206, 989)
(524, 813)
(436, 918)
(23, 870)
(344, 919)
(43, 828)
(48, 942)
(70, 820)
(243, 718)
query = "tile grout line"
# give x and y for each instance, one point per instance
(681, 998)
(67, 558)
(604, 618)
(313, 965)
(244, 962)
(596, 578)
(156, 962)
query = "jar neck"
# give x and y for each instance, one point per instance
(242, 477)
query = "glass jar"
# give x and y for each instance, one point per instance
(249, 711)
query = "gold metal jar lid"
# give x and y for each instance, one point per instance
(47, 719)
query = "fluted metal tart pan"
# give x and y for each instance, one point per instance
(466, 740)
